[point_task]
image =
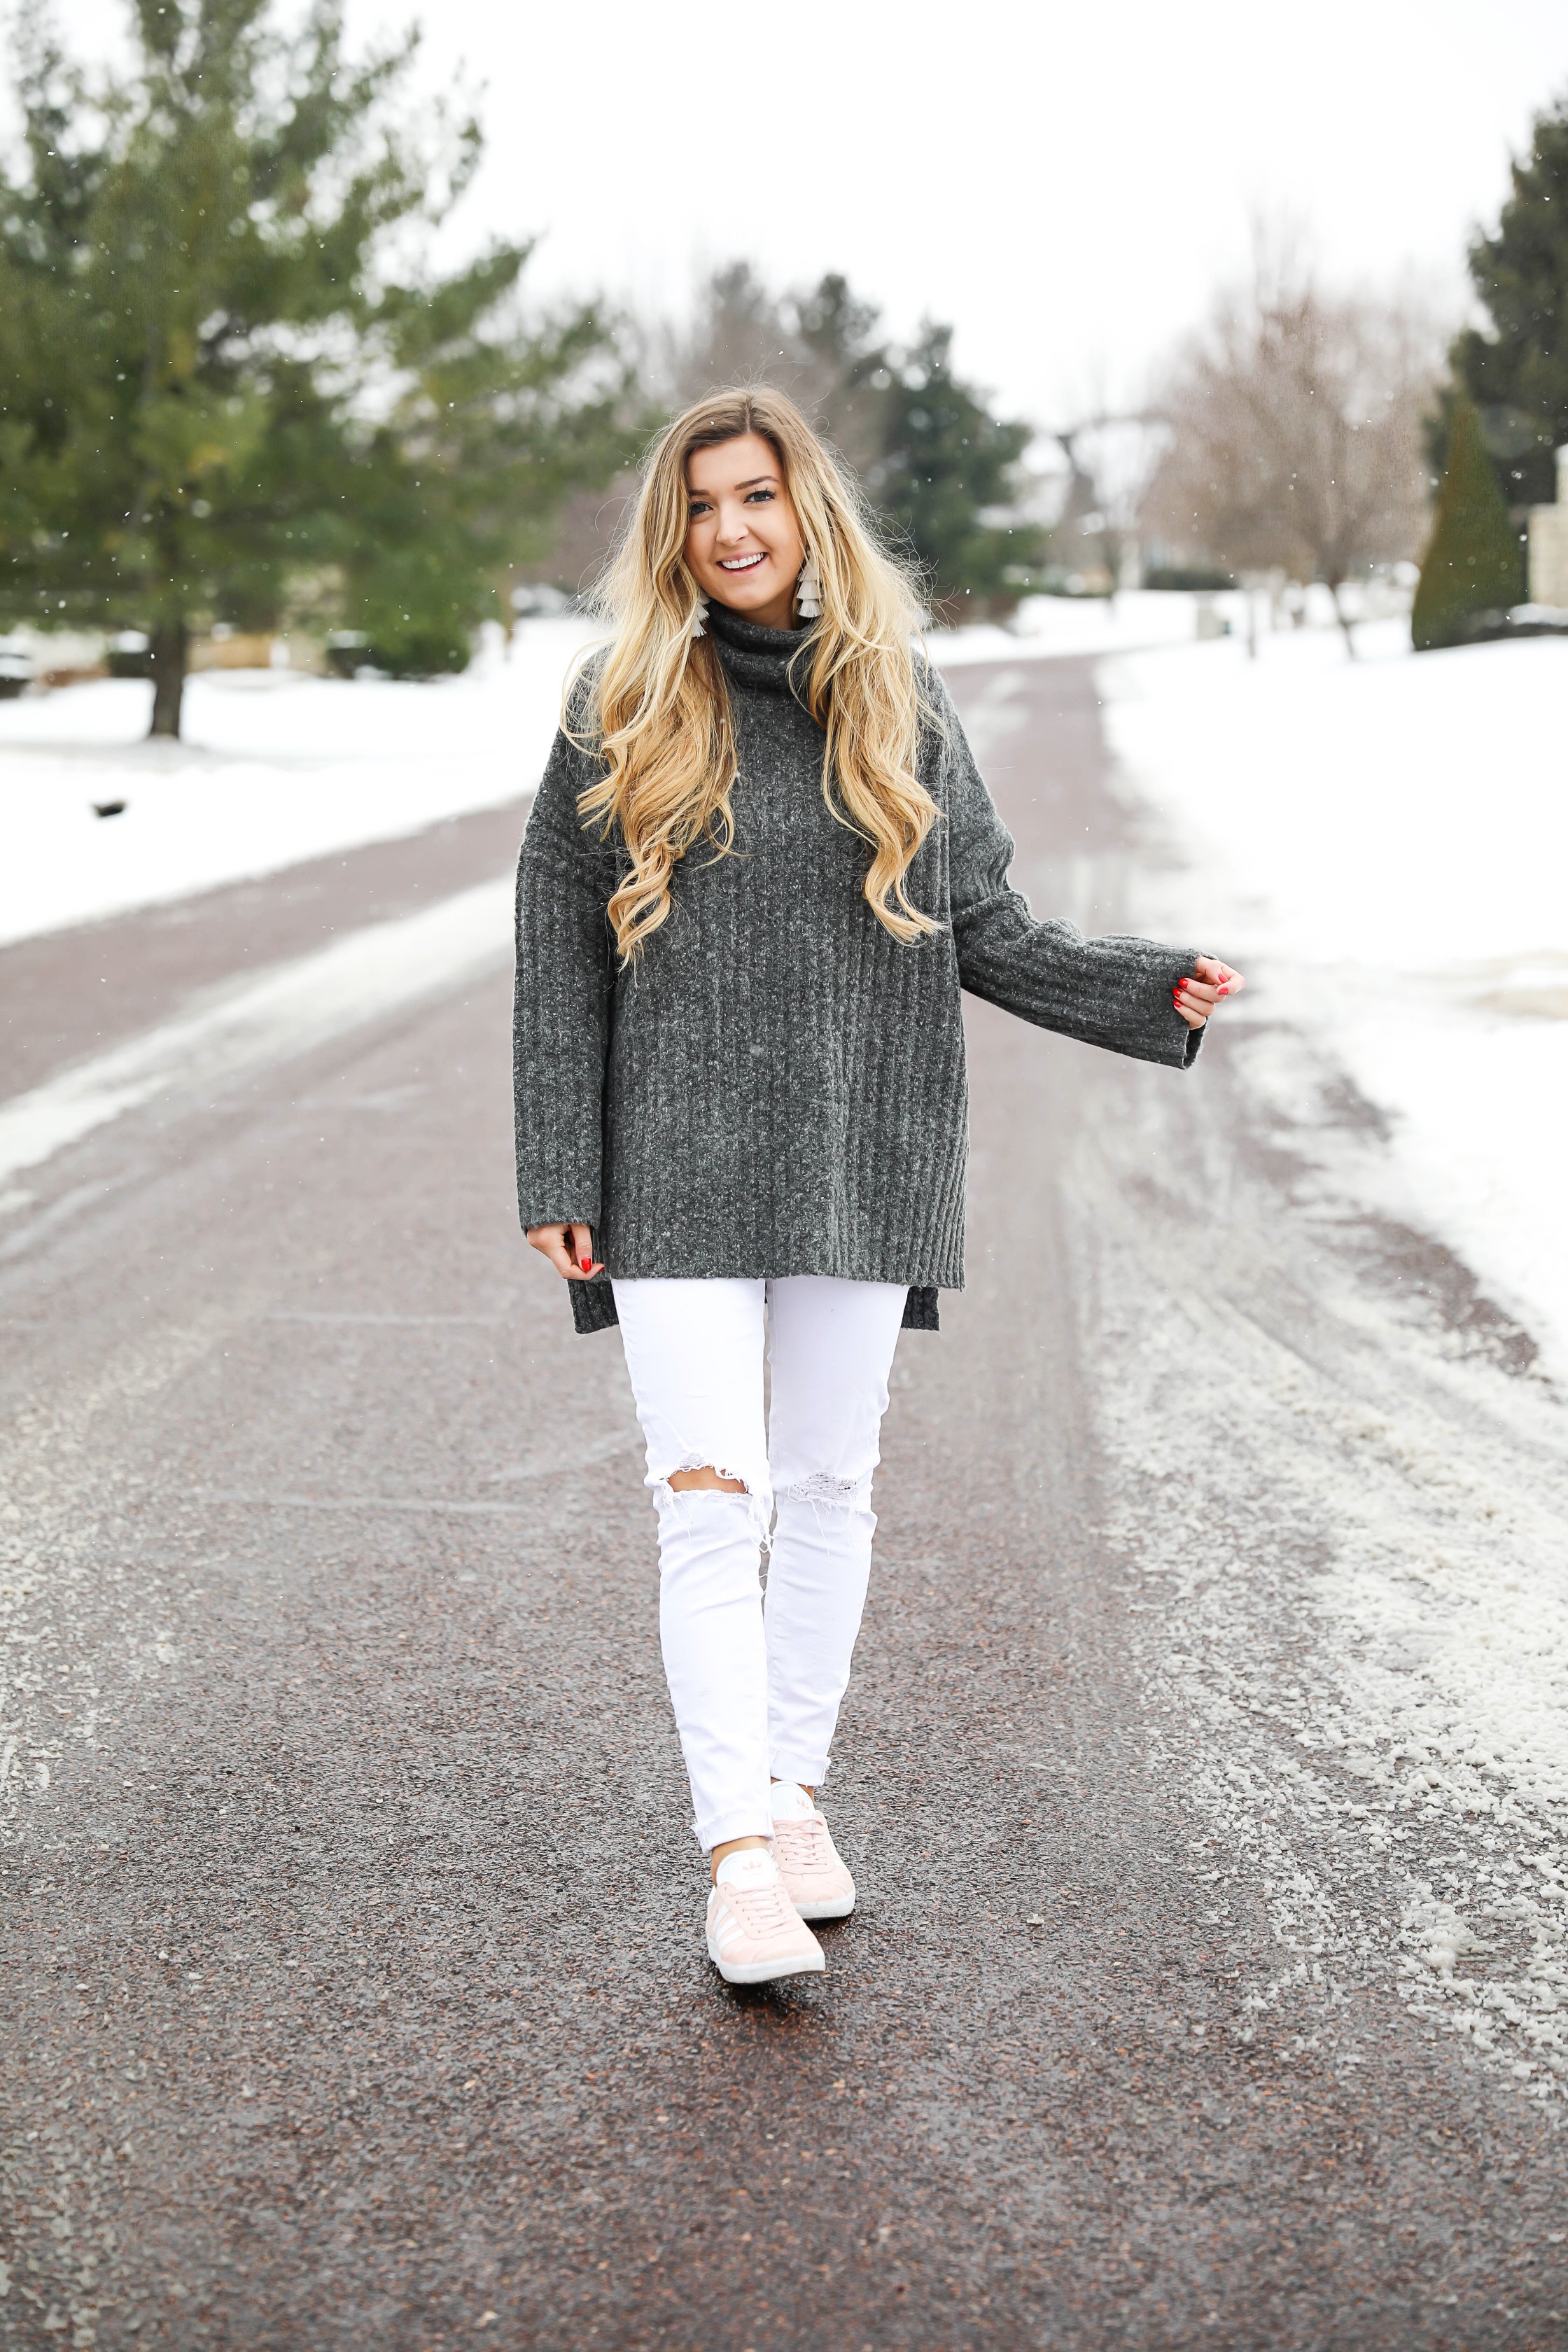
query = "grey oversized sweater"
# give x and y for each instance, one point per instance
(778, 1086)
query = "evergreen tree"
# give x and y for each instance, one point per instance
(1472, 565)
(945, 462)
(219, 399)
(1517, 372)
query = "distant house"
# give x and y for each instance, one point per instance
(1548, 545)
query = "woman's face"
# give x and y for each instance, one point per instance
(743, 546)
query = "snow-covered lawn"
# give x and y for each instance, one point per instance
(275, 767)
(1384, 845)
(1088, 625)
(1384, 842)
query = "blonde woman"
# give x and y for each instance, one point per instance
(760, 869)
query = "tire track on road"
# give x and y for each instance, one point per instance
(249, 1025)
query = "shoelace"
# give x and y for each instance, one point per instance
(764, 1910)
(799, 1846)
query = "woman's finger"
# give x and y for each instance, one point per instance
(558, 1249)
(582, 1262)
(1194, 1000)
(1228, 982)
(560, 1244)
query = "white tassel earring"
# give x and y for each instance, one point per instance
(808, 591)
(698, 617)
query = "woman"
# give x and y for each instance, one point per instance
(761, 868)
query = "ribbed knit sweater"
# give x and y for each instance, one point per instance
(777, 1085)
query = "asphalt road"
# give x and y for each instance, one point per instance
(355, 1987)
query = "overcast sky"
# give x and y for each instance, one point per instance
(1063, 183)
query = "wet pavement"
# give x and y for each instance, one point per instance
(355, 1984)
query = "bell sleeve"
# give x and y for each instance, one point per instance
(1113, 992)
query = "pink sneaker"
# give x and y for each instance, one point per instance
(754, 1932)
(814, 1878)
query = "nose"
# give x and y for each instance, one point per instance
(733, 525)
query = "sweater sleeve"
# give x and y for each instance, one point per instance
(1113, 992)
(561, 1010)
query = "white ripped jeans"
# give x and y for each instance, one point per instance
(756, 1693)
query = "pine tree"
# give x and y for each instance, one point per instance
(1517, 372)
(945, 461)
(219, 399)
(1472, 565)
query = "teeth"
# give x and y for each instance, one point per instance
(738, 563)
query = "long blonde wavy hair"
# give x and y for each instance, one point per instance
(658, 713)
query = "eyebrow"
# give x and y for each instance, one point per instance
(755, 482)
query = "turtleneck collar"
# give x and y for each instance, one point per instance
(754, 656)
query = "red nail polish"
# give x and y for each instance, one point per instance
(585, 1263)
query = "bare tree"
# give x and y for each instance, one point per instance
(820, 345)
(1295, 419)
(737, 333)
(1111, 458)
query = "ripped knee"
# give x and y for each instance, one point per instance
(704, 1480)
(822, 1487)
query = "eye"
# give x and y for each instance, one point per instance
(698, 506)
(754, 498)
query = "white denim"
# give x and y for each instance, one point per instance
(756, 1693)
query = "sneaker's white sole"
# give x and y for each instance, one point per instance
(839, 1910)
(748, 1972)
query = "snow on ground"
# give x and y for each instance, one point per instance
(1382, 841)
(1355, 1554)
(1352, 1606)
(1088, 625)
(1381, 845)
(297, 1006)
(275, 767)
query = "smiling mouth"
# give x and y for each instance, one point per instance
(741, 562)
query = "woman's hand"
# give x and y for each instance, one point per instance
(1195, 999)
(569, 1248)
